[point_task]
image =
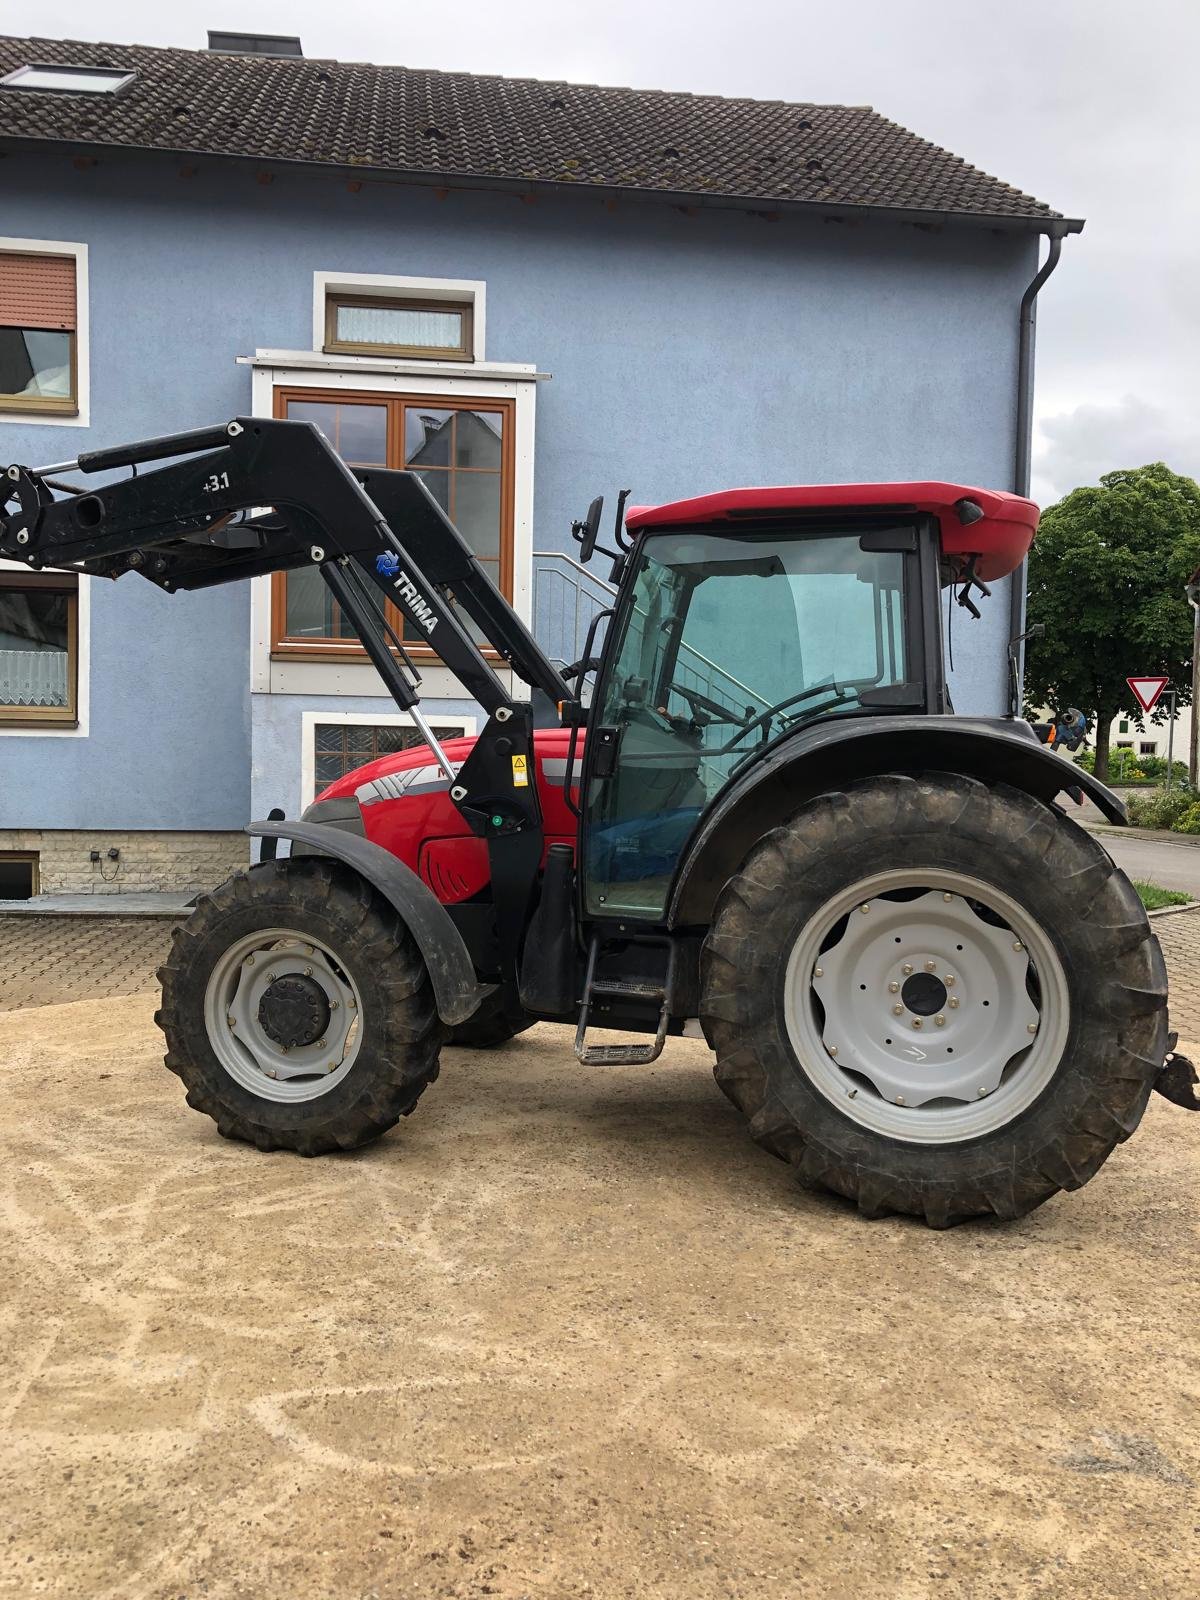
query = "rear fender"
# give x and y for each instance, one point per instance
(842, 750)
(456, 989)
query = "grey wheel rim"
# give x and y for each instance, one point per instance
(250, 1055)
(927, 1005)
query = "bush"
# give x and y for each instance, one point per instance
(1163, 808)
(1189, 821)
(1156, 767)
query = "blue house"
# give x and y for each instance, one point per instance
(530, 292)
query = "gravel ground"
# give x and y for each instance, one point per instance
(564, 1334)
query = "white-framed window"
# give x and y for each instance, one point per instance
(44, 362)
(56, 78)
(373, 314)
(334, 743)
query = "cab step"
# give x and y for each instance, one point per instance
(620, 1055)
(623, 1055)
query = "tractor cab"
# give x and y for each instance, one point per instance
(751, 615)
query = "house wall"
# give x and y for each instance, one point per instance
(687, 353)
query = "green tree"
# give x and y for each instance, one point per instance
(1106, 579)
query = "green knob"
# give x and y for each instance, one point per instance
(497, 822)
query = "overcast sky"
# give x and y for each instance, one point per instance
(1089, 104)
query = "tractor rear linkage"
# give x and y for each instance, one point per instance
(192, 525)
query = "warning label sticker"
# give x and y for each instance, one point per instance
(520, 772)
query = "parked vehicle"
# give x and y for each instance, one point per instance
(925, 987)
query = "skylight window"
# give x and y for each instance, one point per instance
(68, 80)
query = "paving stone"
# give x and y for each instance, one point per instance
(47, 960)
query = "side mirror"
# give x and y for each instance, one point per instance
(588, 530)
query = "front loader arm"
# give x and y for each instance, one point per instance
(370, 533)
(172, 526)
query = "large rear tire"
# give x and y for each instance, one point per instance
(297, 1009)
(488, 1029)
(935, 997)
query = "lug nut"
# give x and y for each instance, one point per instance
(832, 1048)
(906, 969)
(899, 1099)
(947, 898)
(931, 966)
(334, 1004)
(949, 980)
(818, 972)
(897, 1011)
(953, 1002)
(270, 977)
(1018, 945)
(320, 1044)
(308, 972)
(917, 1023)
(864, 908)
(939, 1022)
(271, 1073)
(985, 1090)
(893, 988)
(232, 1021)
(1032, 1028)
(249, 961)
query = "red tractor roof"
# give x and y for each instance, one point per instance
(1001, 537)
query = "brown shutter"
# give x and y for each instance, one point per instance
(37, 291)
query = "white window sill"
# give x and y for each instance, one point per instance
(322, 361)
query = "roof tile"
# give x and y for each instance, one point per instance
(520, 131)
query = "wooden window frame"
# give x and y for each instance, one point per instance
(48, 716)
(44, 405)
(284, 648)
(463, 351)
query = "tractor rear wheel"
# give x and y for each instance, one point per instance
(490, 1027)
(935, 997)
(297, 1009)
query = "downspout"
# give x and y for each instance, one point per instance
(1017, 584)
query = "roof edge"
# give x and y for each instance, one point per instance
(1053, 225)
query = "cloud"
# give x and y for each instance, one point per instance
(1074, 447)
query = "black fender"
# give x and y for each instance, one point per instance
(841, 750)
(456, 989)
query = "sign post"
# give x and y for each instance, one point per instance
(1147, 692)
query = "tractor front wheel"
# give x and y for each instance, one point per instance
(297, 1009)
(935, 997)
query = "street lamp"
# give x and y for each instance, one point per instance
(1192, 590)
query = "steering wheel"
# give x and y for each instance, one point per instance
(763, 718)
(715, 712)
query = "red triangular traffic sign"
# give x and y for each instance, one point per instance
(1147, 690)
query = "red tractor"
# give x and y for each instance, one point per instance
(926, 988)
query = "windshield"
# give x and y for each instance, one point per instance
(730, 641)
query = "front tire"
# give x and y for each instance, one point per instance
(297, 1009)
(837, 1034)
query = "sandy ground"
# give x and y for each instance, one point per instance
(566, 1334)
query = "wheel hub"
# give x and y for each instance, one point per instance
(294, 1011)
(283, 1015)
(923, 994)
(926, 1005)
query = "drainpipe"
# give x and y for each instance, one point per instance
(1018, 582)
